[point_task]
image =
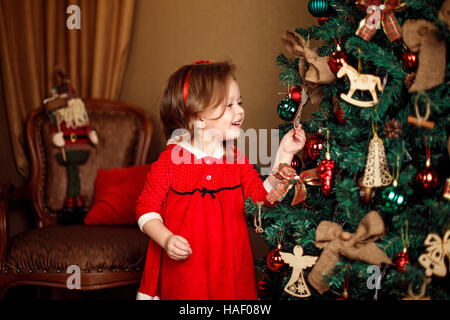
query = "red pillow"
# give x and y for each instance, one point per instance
(116, 194)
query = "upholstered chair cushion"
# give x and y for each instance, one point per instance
(92, 248)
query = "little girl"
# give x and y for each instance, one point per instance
(192, 204)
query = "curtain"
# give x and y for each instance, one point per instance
(34, 38)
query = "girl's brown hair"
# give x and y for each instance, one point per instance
(208, 88)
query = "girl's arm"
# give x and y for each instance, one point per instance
(252, 186)
(149, 213)
(292, 142)
(176, 246)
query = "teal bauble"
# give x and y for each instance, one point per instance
(287, 109)
(318, 8)
(392, 200)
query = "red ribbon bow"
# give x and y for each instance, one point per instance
(384, 13)
(186, 81)
(289, 177)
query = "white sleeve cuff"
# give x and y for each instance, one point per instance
(267, 185)
(147, 217)
(143, 296)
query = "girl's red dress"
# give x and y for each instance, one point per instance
(203, 201)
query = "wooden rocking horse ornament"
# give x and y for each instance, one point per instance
(363, 82)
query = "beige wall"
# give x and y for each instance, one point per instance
(171, 33)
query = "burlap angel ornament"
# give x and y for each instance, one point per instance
(313, 69)
(420, 36)
(296, 285)
(335, 243)
(433, 260)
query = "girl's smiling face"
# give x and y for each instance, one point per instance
(228, 126)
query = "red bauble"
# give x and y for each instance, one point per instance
(427, 179)
(322, 20)
(326, 169)
(274, 260)
(261, 287)
(341, 116)
(296, 163)
(344, 296)
(410, 60)
(313, 147)
(336, 60)
(296, 93)
(401, 260)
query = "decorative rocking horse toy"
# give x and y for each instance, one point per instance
(363, 82)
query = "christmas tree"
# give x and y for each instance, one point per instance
(375, 178)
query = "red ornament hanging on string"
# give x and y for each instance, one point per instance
(261, 287)
(336, 60)
(274, 260)
(326, 171)
(410, 60)
(296, 93)
(427, 179)
(344, 295)
(338, 57)
(322, 20)
(296, 163)
(401, 260)
(313, 147)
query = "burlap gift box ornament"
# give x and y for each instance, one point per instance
(318, 71)
(420, 36)
(356, 246)
(313, 70)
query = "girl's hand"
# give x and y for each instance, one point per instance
(177, 247)
(293, 141)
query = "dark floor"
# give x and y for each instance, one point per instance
(46, 293)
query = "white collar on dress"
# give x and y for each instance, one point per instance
(182, 141)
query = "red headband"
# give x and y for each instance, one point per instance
(186, 81)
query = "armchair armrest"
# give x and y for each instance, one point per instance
(4, 196)
(8, 192)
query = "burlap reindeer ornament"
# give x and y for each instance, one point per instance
(420, 36)
(313, 69)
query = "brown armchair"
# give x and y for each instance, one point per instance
(108, 256)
